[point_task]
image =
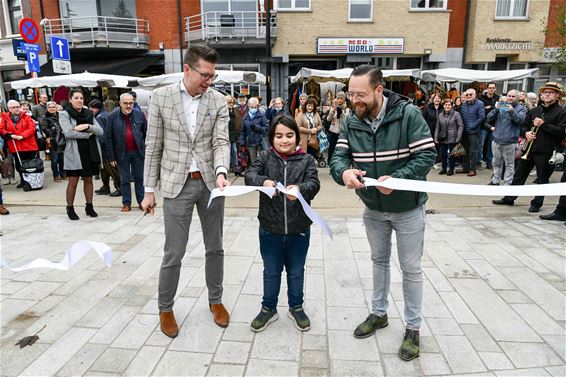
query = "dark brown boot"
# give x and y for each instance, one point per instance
(168, 324)
(221, 316)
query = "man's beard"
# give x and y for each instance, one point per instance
(367, 109)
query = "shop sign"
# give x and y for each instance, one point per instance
(360, 45)
(506, 44)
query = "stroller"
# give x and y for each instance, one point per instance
(32, 172)
(323, 145)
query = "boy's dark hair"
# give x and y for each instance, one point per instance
(196, 52)
(374, 73)
(288, 122)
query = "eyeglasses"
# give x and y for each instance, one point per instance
(360, 95)
(205, 76)
(468, 94)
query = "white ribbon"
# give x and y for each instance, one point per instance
(550, 189)
(72, 256)
(270, 191)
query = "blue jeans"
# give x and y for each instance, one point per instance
(278, 251)
(234, 155)
(485, 135)
(447, 160)
(131, 164)
(409, 229)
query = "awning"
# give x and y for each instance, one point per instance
(116, 66)
(227, 77)
(343, 75)
(471, 75)
(85, 79)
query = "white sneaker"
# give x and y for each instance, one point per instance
(5, 181)
(13, 181)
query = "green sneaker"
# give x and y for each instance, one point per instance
(410, 347)
(368, 327)
(264, 318)
(301, 319)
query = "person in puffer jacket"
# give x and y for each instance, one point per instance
(284, 231)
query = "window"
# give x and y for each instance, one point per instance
(409, 63)
(14, 16)
(511, 9)
(360, 10)
(428, 4)
(293, 5)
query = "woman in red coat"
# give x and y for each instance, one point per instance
(16, 127)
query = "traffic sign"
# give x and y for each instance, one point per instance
(29, 30)
(33, 61)
(61, 66)
(30, 47)
(19, 52)
(60, 48)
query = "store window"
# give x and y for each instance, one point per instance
(360, 10)
(428, 4)
(500, 64)
(511, 9)
(409, 63)
(15, 15)
(293, 5)
(384, 62)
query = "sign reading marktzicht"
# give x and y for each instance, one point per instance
(506, 44)
(360, 45)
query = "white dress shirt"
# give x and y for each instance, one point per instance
(190, 108)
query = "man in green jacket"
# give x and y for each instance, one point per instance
(387, 137)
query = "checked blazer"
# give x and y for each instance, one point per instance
(170, 148)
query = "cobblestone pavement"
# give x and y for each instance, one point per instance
(494, 300)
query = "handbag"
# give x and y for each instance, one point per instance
(6, 168)
(323, 141)
(458, 151)
(313, 142)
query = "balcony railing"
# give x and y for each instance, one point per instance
(224, 27)
(100, 31)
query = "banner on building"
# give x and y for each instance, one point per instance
(360, 45)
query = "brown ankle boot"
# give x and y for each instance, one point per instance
(168, 324)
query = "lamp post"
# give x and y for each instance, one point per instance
(268, 50)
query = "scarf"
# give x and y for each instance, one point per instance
(298, 151)
(85, 117)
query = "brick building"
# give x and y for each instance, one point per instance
(142, 37)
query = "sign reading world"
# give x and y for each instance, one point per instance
(360, 45)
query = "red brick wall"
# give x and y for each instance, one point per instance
(457, 24)
(553, 38)
(50, 10)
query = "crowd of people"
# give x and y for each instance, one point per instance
(195, 135)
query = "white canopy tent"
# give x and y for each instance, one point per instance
(227, 77)
(470, 75)
(85, 79)
(342, 75)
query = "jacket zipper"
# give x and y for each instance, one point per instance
(285, 196)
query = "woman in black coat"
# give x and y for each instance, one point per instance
(447, 134)
(51, 130)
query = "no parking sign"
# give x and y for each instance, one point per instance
(29, 30)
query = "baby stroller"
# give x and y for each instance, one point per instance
(323, 146)
(32, 172)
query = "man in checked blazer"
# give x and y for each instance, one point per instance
(188, 153)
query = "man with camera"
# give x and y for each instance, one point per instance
(507, 118)
(335, 115)
(544, 129)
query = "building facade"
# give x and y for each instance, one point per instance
(142, 37)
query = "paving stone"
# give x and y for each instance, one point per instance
(9, 287)
(313, 372)
(547, 297)
(459, 354)
(531, 372)
(433, 306)
(496, 255)
(222, 370)
(495, 360)
(316, 310)
(37, 290)
(446, 259)
(239, 332)
(258, 367)
(280, 341)
(314, 342)
(343, 287)
(238, 271)
(232, 352)
(443, 326)
(557, 343)
(480, 338)
(356, 368)
(433, 364)
(394, 366)
(102, 312)
(59, 353)
(458, 308)
(137, 331)
(314, 359)
(557, 371)
(246, 308)
(12, 308)
(438, 280)
(114, 326)
(254, 280)
(82, 360)
(514, 297)
(342, 345)
(491, 275)
(175, 363)
(345, 318)
(496, 315)
(314, 287)
(113, 360)
(390, 338)
(541, 322)
(144, 362)
(14, 360)
(529, 355)
(197, 336)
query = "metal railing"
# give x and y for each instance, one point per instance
(225, 26)
(100, 31)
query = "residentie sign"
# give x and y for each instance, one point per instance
(360, 45)
(506, 44)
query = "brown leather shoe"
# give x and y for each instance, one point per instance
(126, 208)
(471, 173)
(168, 324)
(221, 316)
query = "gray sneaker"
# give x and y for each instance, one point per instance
(301, 319)
(370, 325)
(263, 319)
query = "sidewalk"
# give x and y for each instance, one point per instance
(494, 301)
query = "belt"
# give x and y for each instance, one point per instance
(195, 175)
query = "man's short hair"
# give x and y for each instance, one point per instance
(96, 104)
(196, 52)
(491, 83)
(374, 73)
(12, 102)
(123, 95)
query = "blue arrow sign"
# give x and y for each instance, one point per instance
(33, 61)
(60, 48)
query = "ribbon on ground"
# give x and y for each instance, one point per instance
(270, 191)
(549, 189)
(72, 256)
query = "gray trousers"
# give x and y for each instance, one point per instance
(178, 213)
(503, 157)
